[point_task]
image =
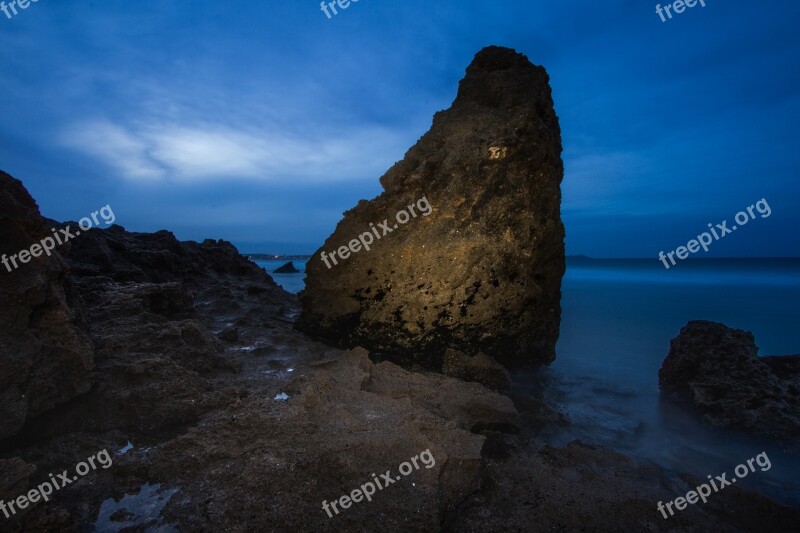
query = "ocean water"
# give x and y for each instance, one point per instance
(293, 283)
(618, 317)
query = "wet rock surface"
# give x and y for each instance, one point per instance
(717, 370)
(481, 268)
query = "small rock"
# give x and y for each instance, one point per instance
(288, 268)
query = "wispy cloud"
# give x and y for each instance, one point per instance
(209, 152)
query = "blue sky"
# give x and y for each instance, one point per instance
(261, 122)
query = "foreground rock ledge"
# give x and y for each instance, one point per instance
(481, 271)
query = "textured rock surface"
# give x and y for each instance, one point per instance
(482, 271)
(480, 368)
(583, 488)
(150, 300)
(717, 370)
(45, 352)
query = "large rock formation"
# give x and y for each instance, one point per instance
(476, 261)
(45, 352)
(718, 371)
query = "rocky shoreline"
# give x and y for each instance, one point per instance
(223, 409)
(191, 344)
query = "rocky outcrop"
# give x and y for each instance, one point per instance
(288, 268)
(471, 247)
(155, 306)
(718, 371)
(45, 352)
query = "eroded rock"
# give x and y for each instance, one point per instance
(717, 370)
(478, 264)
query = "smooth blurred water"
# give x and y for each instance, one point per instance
(618, 317)
(293, 283)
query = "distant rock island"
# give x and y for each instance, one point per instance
(288, 268)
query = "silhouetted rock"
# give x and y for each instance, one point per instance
(718, 371)
(481, 269)
(45, 352)
(151, 301)
(288, 268)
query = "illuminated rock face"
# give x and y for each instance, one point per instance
(482, 271)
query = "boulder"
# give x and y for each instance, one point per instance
(717, 370)
(465, 246)
(45, 352)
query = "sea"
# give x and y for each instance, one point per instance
(293, 283)
(618, 317)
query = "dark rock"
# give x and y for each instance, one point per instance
(585, 488)
(718, 371)
(152, 302)
(479, 267)
(479, 368)
(229, 334)
(45, 352)
(288, 268)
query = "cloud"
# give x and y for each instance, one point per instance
(171, 151)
